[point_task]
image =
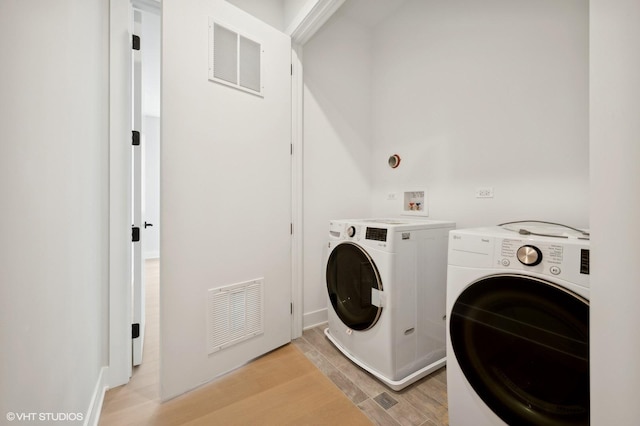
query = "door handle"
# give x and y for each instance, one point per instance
(146, 225)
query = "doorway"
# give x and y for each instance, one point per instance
(145, 167)
(120, 260)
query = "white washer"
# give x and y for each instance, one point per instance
(518, 326)
(386, 281)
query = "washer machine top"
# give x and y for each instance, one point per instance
(379, 233)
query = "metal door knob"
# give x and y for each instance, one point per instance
(146, 225)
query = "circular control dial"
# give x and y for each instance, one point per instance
(529, 255)
(351, 231)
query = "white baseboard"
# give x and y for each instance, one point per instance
(95, 406)
(312, 319)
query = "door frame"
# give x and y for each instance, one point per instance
(120, 303)
(297, 239)
(138, 198)
(300, 32)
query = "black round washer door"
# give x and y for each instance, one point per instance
(523, 345)
(351, 276)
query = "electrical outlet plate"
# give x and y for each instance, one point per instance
(484, 192)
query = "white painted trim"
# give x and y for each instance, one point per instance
(120, 22)
(309, 20)
(297, 243)
(315, 318)
(92, 416)
(315, 18)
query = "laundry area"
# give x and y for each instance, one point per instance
(411, 120)
(485, 104)
(406, 212)
(475, 114)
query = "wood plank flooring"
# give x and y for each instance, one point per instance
(280, 388)
(422, 403)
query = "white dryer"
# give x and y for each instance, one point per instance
(518, 326)
(386, 281)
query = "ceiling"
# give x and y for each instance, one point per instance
(370, 12)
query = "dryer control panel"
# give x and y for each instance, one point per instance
(566, 259)
(562, 259)
(529, 254)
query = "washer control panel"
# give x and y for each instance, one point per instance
(355, 232)
(345, 231)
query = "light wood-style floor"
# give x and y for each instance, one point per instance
(280, 388)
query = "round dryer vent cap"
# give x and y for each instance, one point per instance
(394, 161)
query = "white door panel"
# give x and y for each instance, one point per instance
(225, 191)
(137, 192)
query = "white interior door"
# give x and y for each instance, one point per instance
(137, 214)
(225, 191)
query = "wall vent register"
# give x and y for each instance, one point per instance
(234, 59)
(234, 313)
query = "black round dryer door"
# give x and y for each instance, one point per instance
(523, 345)
(351, 276)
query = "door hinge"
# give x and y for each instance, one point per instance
(291, 149)
(135, 330)
(291, 228)
(135, 138)
(135, 45)
(291, 69)
(135, 234)
(292, 309)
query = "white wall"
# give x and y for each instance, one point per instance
(337, 134)
(292, 8)
(283, 15)
(150, 51)
(54, 188)
(151, 149)
(615, 210)
(491, 93)
(294, 11)
(270, 12)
